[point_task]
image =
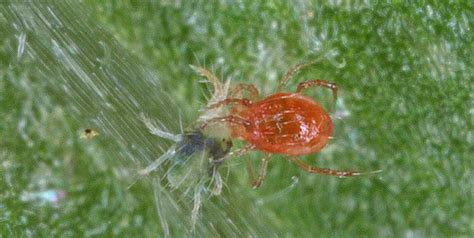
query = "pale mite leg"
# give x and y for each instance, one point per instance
(236, 153)
(150, 168)
(155, 130)
(196, 208)
(238, 101)
(228, 119)
(263, 171)
(250, 88)
(216, 83)
(250, 169)
(320, 83)
(312, 169)
(292, 72)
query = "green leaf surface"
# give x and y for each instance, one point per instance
(406, 106)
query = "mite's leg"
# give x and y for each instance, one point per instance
(196, 208)
(293, 71)
(155, 130)
(215, 186)
(239, 101)
(236, 153)
(230, 119)
(155, 164)
(320, 83)
(263, 171)
(250, 88)
(311, 169)
(233, 154)
(250, 169)
(241, 151)
(216, 83)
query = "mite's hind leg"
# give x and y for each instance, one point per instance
(263, 171)
(291, 72)
(320, 83)
(312, 169)
(250, 88)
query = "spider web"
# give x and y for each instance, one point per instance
(99, 86)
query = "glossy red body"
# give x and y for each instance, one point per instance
(285, 123)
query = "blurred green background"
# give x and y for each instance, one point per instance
(404, 71)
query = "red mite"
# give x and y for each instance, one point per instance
(283, 123)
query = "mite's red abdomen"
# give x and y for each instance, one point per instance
(287, 123)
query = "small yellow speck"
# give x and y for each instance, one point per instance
(89, 134)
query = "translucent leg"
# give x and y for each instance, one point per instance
(196, 207)
(295, 69)
(263, 171)
(250, 170)
(320, 83)
(215, 186)
(155, 164)
(311, 169)
(230, 119)
(250, 88)
(239, 101)
(236, 153)
(170, 153)
(155, 130)
(216, 83)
